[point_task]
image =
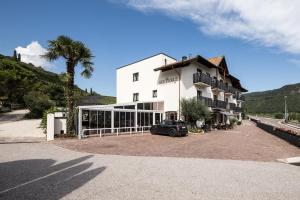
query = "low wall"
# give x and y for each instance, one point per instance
(286, 135)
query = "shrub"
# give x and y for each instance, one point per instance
(193, 110)
(239, 123)
(37, 103)
(278, 116)
(43, 124)
(232, 121)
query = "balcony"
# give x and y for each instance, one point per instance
(218, 86)
(205, 101)
(202, 80)
(230, 90)
(232, 106)
(240, 98)
(219, 104)
(238, 109)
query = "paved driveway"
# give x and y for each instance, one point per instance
(44, 171)
(245, 142)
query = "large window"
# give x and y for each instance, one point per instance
(135, 96)
(135, 76)
(154, 93)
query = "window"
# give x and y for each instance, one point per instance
(135, 77)
(199, 94)
(154, 93)
(135, 96)
(199, 71)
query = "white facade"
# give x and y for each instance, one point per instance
(151, 89)
(167, 83)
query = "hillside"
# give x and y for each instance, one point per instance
(272, 101)
(18, 79)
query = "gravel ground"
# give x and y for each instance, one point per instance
(245, 142)
(21, 130)
(12, 116)
(45, 171)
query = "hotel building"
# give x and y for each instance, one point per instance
(151, 89)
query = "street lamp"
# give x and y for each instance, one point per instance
(285, 110)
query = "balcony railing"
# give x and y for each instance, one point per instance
(240, 97)
(231, 90)
(219, 104)
(205, 101)
(219, 85)
(238, 109)
(232, 106)
(202, 78)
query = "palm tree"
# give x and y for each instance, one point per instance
(74, 52)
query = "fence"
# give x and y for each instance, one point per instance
(279, 132)
(114, 131)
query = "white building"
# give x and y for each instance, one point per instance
(151, 90)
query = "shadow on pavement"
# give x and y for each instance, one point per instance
(43, 179)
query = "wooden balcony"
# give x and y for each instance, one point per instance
(202, 80)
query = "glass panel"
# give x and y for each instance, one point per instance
(139, 119)
(85, 119)
(127, 119)
(122, 119)
(107, 119)
(151, 119)
(117, 119)
(132, 116)
(129, 107)
(142, 119)
(100, 119)
(157, 118)
(147, 106)
(147, 119)
(140, 106)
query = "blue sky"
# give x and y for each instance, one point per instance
(120, 32)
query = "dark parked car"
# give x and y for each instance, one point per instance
(171, 128)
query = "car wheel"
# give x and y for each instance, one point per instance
(172, 132)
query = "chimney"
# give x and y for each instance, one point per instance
(165, 61)
(184, 58)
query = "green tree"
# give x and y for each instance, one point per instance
(15, 55)
(19, 58)
(37, 103)
(193, 110)
(74, 52)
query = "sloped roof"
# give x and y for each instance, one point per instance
(216, 60)
(184, 63)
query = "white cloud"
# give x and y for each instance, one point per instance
(32, 54)
(272, 23)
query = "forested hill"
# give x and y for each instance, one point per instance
(18, 79)
(272, 101)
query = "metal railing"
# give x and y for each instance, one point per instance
(240, 98)
(205, 101)
(232, 106)
(203, 78)
(219, 104)
(114, 131)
